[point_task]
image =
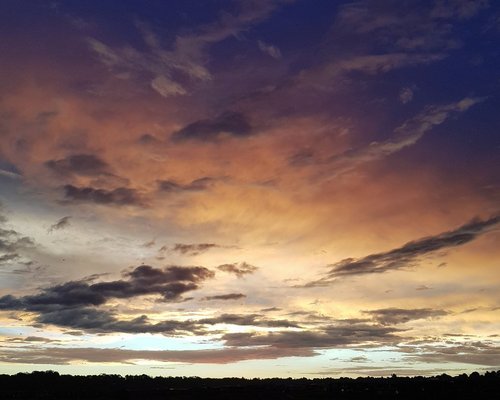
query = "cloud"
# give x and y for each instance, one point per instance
(170, 283)
(404, 136)
(408, 26)
(102, 321)
(407, 255)
(358, 359)
(10, 174)
(229, 296)
(149, 244)
(60, 224)
(385, 371)
(249, 320)
(78, 304)
(392, 316)
(167, 87)
(338, 335)
(147, 139)
(270, 309)
(31, 339)
(230, 123)
(193, 249)
(406, 95)
(330, 73)
(461, 9)
(120, 196)
(79, 164)
(478, 353)
(240, 270)
(13, 245)
(269, 49)
(197, 185)
(302, 158)
(75, 304)
(186, 59)
(9, 170)
(58, 356)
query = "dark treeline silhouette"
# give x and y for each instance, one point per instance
(52, 385)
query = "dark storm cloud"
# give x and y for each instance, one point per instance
(229, 296)
(120, 196)
(79, 164)
(392, 316)
(208, 130)
(341, 334)
(60, 224)
(240, 270)
(60, 356)
(407, 255)
(197, 185)
(170, 283)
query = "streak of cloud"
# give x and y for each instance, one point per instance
(407, 255)
(229, 296)
(404, 136)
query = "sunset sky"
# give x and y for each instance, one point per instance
(250, 188)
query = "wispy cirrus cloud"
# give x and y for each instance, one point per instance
(187, 55)
(404, 136)
(269, 49)
(406, 27)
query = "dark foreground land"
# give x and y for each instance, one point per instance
(51, 385)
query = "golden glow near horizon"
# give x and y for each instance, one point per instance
(223, 195)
